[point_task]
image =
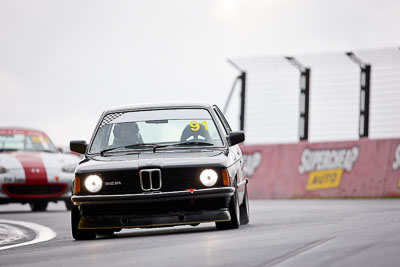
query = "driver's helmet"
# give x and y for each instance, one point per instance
(126, 133)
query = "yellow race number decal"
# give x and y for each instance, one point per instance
(195, 126)
(36, 139)
(205, 125)
(39, 139)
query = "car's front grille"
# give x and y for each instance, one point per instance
(184, 178)
(172, 179)
(16, 190)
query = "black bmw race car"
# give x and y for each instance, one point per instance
(159, 165)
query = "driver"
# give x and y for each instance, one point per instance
(126, 134)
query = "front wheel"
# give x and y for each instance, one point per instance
(79, 234)
(234, 223)
(68, 204)
(38, 206)
(244, 209)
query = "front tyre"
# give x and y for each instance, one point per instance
(105, 232)
(244, 209)
(68, 204)
(234, 223)
(79, 234)
(38, 205)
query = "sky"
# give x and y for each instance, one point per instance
(63, 62)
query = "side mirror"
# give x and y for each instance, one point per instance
(235, 138)
(78, 146)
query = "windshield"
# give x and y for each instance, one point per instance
(22, 140)
(128, 130)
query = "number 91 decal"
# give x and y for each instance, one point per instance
(195, 126)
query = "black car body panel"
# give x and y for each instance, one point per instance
(158, 187)
(161, 159)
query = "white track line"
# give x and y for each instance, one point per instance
(43, 233)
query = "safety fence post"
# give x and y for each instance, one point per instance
(365, 79)
(305, 75)
(242, 78)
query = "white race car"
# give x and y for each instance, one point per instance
(32, 170)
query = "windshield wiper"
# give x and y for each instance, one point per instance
(190, 143)
(182, 144)
(155, 146)
(127, 146)
(8, 149)
(47, 150)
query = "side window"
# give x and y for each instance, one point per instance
(101, 140)
(222, 118)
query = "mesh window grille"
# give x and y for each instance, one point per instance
(109, 118)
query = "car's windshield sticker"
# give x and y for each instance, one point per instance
(109, 118)
(195, 126)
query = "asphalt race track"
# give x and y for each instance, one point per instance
(280, 233)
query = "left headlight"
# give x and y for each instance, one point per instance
(70, 168)
(2, 169)
(93, 183)
(208, 177)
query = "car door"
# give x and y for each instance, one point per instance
(235, 151)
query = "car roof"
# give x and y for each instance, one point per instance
(20, 128)
(159, 106)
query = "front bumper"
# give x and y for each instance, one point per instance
(8, 200)
(161, 220)
(154, 209)
(24, 193)
(153, 197)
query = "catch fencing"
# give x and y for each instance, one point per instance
(350, 95)
(324, 125)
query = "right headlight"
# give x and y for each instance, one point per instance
(208, 177)
(93, 183)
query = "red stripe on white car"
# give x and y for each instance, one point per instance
(35, 172)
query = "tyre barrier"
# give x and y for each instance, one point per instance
(362, 168)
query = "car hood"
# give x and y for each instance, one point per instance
(15, 160)
(167, 159)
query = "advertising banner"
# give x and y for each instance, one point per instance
(362, 168)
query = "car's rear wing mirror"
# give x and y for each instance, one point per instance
(235, 138)
(78, 146)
